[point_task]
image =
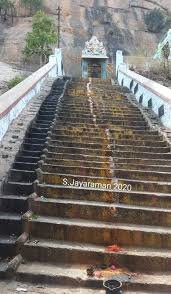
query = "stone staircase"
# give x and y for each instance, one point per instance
(103, 179)
(19, 182)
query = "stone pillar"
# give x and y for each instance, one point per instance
(53, 73)
(104, 69)
(84, 68)
(58, 54)
(119, 59)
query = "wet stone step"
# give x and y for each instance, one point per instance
(77, 170)
(142, 167)
(99, 233)
(64, 252)
(141, 148)
(135, 154)
(146, 175)
(78, 163)
(77, 150)
(147, 185)
(82, 139)
(77, 156)
(147, 143)
(101, 211)
(58, 178)
(139, 198)
(102, 145)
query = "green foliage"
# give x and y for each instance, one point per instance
(33, 5)
(15, 81)
(39, 41)
(155, 20)
(4, 4)
(168, 22)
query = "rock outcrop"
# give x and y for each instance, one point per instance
(119, 24)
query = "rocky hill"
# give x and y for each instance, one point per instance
(119, 23)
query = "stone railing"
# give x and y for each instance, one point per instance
(15, 100)
(147, 92)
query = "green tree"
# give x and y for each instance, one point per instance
(42, 37)
(155, 20)
(7, 8)
(32, 5)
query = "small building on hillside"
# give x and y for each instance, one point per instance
(94, 60)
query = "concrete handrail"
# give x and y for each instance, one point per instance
(152, 86)
(9, 99)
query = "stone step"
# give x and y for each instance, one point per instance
(102, 182)
(25, 166)
(18, 188)
(57, 179)
(161, 200)
(37, 135)
(7, 246)
(13, 203)
(100, 120)
(101, 139)
(33, 147)
(133, 258)
(78, 163)
(106, 144)
(86, 151)
(102, 125)
(72, 156)
(3, 269)
(131, 148)
(138, 167)
(22, 176)
(75, 275)
(101, 145)
(70, 113)
(101, 211)
(10, 223)
(144, 161)
(141, 143)
(144, 155)
(145, 185)
(143, 175)
(100, 233)
(145, 166)
(30, 153)
(114, 131)
(78, 139)
(77, 170)
(27, 159)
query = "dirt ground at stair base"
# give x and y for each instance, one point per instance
(11, 287)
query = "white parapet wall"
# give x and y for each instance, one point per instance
(147, 92)
(16, 99)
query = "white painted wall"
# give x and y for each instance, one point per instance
(160, 95)
(16, 99)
